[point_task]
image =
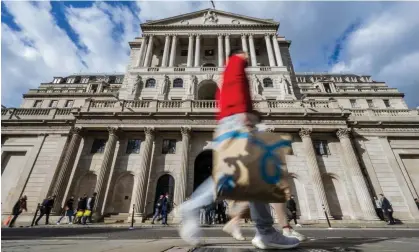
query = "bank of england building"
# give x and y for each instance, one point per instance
(133, 136)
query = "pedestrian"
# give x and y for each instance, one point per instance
(202, 216)
(417, 202)
(387, 209)
(378, 209)
(90, 204)
(235, 113)
(18, 209)
(68, 211)
(221, 212)
(158, 208)
(292, 208)
(81, 207)
(165, 208)
(46, 208)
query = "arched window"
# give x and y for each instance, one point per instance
(267, 82)
(178, 83)
(150, 83)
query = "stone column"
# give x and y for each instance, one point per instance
(197, 50)
(220, 51)
(166, 51)
(244, 44)
(149, 53)
(356, 175)
(182, 184)
(227, 45)
(252, 50)
(314, 171)
(277, 51)
(269, 49)
(142, 49)
(173, 51)
(190, 51)
(102, 179)
(140, 182)
(65, 169)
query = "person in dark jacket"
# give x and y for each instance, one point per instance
(387, 209)
(89, 206)
(292, 207)
(158, 208)
(18, 209)
(68, 210)
(166, 207)
(221, 212)
(46, 208)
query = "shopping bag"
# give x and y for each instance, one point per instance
(248, 165)
(7, 220)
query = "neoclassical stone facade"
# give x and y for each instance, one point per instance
(132, 136)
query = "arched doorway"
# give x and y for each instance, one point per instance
(207, 90)
(202, 168)
(87, 185)
(165, 184)
(122, 194)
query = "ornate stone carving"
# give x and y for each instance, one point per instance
(165, 84)
(112, 130)
(304, 132)
(192, 84)
(149, 131)
(235, 21)
(257, 85)
(184, 22)
(270, 129)
(185, 130)
(76, 130)
(137, 85)
(210, 76)
(343, 133)
(210, 17)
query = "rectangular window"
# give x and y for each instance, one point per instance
(37, 104)
(353, 103)
(209, 53)
(184, 53)
(257, 52)
(57, 80)
(387, 103)
(370, 104)
(69, 103)
(169, 146)
(71, 80)
(85, 80)
(94, 89)
(98, 146)
(327, 88)
(133, 146)
(321, 147)
(53, 104)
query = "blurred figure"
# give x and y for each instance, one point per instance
(378, 208)
(387, 209)
(18, 209)
(90, 204)
(68, 211)
(292, 207)
(46, 208)
(158, 208)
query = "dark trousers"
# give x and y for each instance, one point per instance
(293, 216)
(12, 221)
(380, 214)
(45, 212)
(156, 214)
(164, 216)
(390, 217)
(222, 215)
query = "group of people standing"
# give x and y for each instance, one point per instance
(214, 213)
(384, 209)
(162, 209)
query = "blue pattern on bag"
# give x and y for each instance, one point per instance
(267, 155)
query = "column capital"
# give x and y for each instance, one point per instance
(243, 35)
(270, 129)
(227, 35)
(76, 130)
(198, 35)
(185, 130)
(343, 133)
(305, 132)
(191, 35)
(112, 130)
(174, 35)
(220, 35)
(251, 35)
(149, 131)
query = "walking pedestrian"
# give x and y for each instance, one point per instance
(18, 209)
(46, 208)
(90, 204)
(165, 208)
(235, 113)
(387, 209)
(81, 207)
(378, 209)
(292, 208)
(158, 208)
(68, 211)
(221, 212)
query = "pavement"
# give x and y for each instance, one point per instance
(105, 239)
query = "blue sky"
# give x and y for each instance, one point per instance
(41, 40)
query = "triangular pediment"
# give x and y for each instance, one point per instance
(210, 17)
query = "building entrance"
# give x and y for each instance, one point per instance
(202, 167)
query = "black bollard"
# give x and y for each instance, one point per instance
(327, 217)
(36, 213)
(132, 217)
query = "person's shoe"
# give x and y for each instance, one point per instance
(58, 223)
(234, 230)
(292, 233)
(190, 232)
(275, 240)
(298, 225)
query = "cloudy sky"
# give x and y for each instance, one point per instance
(41, 40)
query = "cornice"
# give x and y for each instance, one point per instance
(372, 94)
(206, 27)
(69, 94)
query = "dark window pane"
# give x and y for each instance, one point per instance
(150, 83)
(267, 82)
(209, 52)
(169, 146)
(178, 83)
(184, 53)
(321, 147)
(98, 146)
(133, 146)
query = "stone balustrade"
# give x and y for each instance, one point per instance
(198, 70)
(37, 113)
(384, 114)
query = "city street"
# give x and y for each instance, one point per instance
(94, 239)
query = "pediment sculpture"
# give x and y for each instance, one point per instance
(210, 17)
(137, 85)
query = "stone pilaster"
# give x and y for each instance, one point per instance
(190, 51)
(277, 51)
(197, 50)
(356, 175)
(173, 51)
(180, 194)
(244, 43)
(65, 169)
(252, 51)
(269, 49)
(149, 52)
(142, 49)
(104, 172)
(220, 51)
(141, 176)
(314, 171)
(165, 51)
(227, 45)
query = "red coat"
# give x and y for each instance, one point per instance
(234, 96)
